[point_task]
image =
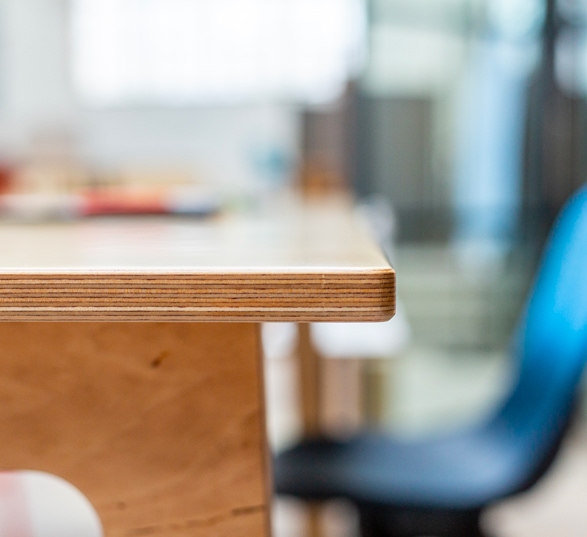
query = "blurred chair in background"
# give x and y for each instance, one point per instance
(441, 485)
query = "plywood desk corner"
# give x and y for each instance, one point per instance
(303, 266)
(161, 424)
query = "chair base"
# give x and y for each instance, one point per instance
(387, 522)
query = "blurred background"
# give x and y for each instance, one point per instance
(458, 125)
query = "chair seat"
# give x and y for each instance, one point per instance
(464, 471)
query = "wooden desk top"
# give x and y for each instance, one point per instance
(299, 263)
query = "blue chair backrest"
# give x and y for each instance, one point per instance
(551, 342)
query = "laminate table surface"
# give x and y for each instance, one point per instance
(296, 263)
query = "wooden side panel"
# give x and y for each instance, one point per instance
(160, 425)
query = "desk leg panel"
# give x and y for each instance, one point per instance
(161, 425)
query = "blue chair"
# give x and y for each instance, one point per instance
(440, 486)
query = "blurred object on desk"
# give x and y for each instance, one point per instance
(181, 201)
(318, 179)
(328, 147)
(65, 190)
(6, 172)
(37, 178)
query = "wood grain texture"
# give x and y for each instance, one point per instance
(310, 369)
(299, 263)
(160, 425)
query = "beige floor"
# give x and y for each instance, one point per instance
(557, 505)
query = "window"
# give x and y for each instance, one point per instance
(177, 52)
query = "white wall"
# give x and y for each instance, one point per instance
(36, 96)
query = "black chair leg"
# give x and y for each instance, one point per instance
(383, 522)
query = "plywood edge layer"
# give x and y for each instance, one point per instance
(189, 316)
(113, 314)
(361, 296)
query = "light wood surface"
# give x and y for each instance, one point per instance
(160, 425)
(292, 263)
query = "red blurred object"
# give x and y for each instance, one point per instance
(121, 202)
(6, 176)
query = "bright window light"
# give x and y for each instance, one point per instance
(177, 52)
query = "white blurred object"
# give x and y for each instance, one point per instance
(177, 52)
(279, 339)
(341, 340)
(37, 504)
(362, 340)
